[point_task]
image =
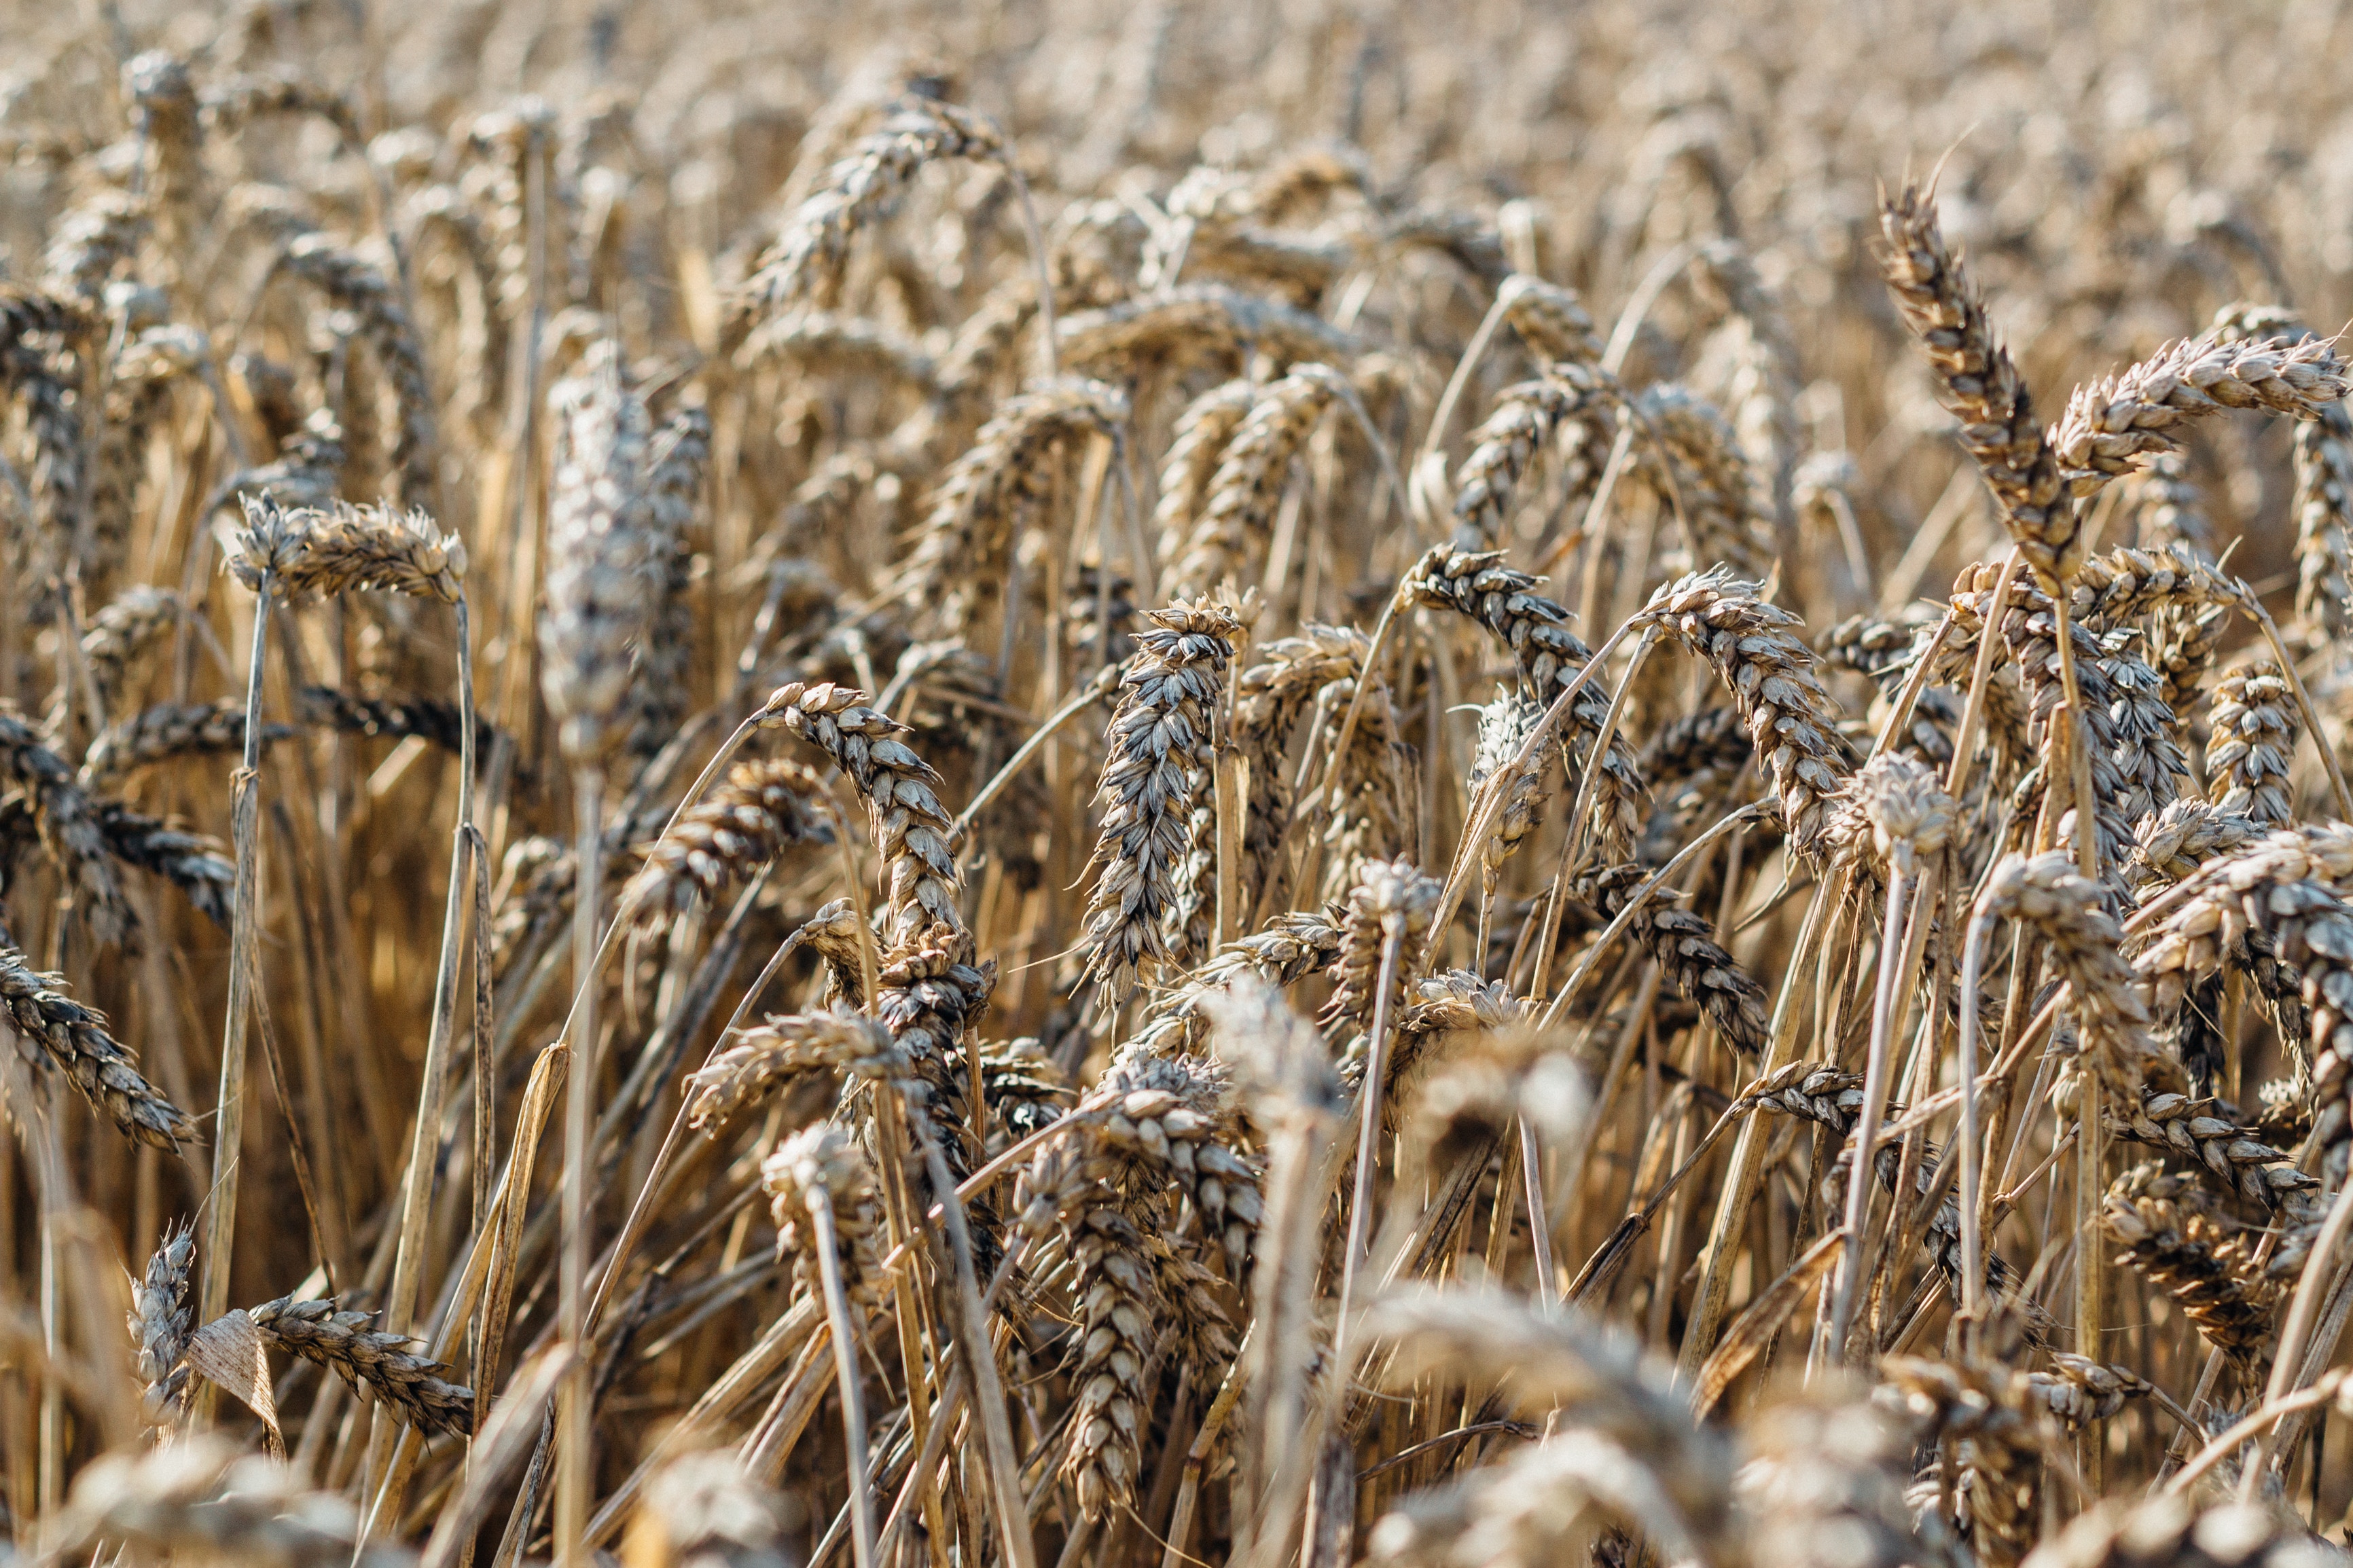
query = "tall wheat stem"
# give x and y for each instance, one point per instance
(416, 1193)
(574, 1426)
(218, 1243)
(845, 1373)
(1859, 1185)
(1368, 1138)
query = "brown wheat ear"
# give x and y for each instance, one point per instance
(379, 1364)
(1159, 755)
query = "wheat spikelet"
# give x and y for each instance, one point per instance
(912, 829)
(381, 1365)
(1116, 1289)
(1698, 469)
(2079, 1391)
(195, 863)
(2030, 631)
(1622, 1445)
(2115, 419)
(1551, 320)
(1390, 902)
(807, 260)
(994, 492)
(1688, 761)
(1524, 420)
(160, 1321)
(52, 1028)
(1175, 1116)
(674, 480)
(1979, 385)
(123, 636)
(2184, 1256)
(600, 554)
(203, 1500)
(2084, 944)
(358, 286)
(1297, 268)
(1770, 674)
(138, 396)
(1999, 1431)
(2240, 1160)
(2119, 1532)
(981, 349)
(825, 1159)
(768, 1054)
(821, 343)
(1197, 443)
(2148, 734)
(2184, 650)
(1549, 656)
(89, 240)
(1197, 320)
(2324, 521)
(1692, 959)
(1292, 947)
(2127, 583)
(2280, 888)
(69, 831)
(1230, 536)
(1822, 1480)
(228, 107)
(706, 1511)
(1894, 810)
(1158, 753)
(1294, 674)
(2174, 842)
(350, 549)
(164, 732)
(2254, 736)
(1763, 378)
(1506, 725)
(429, 719)
(1833, 1099)
(729, 835)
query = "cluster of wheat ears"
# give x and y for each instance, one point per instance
(1096, 786)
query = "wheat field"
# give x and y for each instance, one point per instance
(1068, 785)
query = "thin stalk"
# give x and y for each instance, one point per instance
(2304, 1311)
(845, 1376)
(416, 1185)
(1612, 931)
(1366, 675)
(1540, 1211)
(1956, 778)
(1368, 1137)
(575, 1425)
(2262, 617)
(1972, 1157)
(1859, 1185)
(1748, 1151)
(980, 1361)
(217, 1246)
(1021, 755)
(1481, 823)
